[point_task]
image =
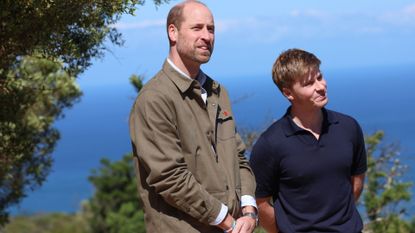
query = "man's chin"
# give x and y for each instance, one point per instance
(203, 60)
(324, 103)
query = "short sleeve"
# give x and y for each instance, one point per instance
(264, 168)
(359, 153)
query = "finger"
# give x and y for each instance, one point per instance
(248, 226)
(238, 226)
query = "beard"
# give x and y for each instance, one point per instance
(194, 53)
(201, 57)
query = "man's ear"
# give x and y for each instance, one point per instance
(287, 93)
(173, 32)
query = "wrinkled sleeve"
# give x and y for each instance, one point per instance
(157, 143)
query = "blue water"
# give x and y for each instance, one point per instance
(97, 127)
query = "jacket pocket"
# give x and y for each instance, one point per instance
(225, 125)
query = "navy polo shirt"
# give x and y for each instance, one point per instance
(310, 179)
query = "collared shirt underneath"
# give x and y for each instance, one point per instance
(201, 78)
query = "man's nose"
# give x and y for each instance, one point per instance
(321, 85)
(206, 34)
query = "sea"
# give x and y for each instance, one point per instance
(379, 98)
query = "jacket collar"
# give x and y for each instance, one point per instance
(182, 82)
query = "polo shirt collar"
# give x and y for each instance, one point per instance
(290, 128)
(330, 117)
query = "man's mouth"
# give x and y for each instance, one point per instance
(204, 48)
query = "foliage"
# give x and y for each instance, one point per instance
(72, 31)
(259, 230)
(44, 45)
(384, 191)
(115, 207)
(34, 95)
(137, 82)
(48, 223)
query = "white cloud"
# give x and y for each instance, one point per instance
(228, 25)
(300, 23)
(315, 24)
(402, 17)
(410, 10)
(254, 29)
(310, 13)
(223, 26)
(371, 30)
(145, 24)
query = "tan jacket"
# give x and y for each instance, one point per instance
(188, 156)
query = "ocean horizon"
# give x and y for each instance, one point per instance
(97, 126)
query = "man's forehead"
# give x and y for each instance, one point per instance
(195, 11)
(315, 72)
(312, 73)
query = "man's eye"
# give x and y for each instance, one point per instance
(308, 83)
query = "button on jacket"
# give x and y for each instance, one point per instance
(188, 156)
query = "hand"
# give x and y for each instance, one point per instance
(227, 223)
(244, 224)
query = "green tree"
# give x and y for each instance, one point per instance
(72, 31)
(44, 46)
(385, 192)
(35, 93)
(115, 207)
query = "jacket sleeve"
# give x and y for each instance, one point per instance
(157, 143)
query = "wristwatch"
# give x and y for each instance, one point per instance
(252, 215)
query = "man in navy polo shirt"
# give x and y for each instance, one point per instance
(311, 163)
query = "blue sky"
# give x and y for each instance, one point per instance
(249, 36)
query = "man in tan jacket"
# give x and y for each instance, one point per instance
(192, 172)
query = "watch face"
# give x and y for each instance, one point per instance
(252, 215)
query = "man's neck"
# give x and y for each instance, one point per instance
(191, 69)
(309, 120)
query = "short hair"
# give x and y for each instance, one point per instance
(291, 66)
(175, 15)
